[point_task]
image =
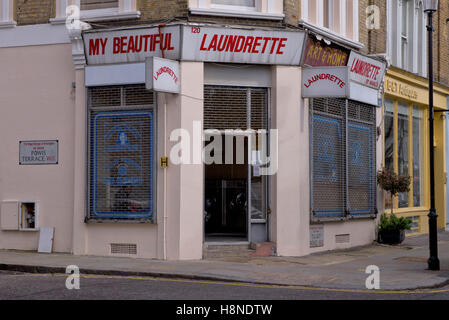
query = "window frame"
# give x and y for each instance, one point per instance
(424, 163)
(91, 218)
(126, 9)
(344, 122)
(234, 7)
(7, 10)
(263, 10)
(343, 26)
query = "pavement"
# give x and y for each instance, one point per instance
(402, 267)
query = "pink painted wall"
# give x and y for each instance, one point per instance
(37, 103)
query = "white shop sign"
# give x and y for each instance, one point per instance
(38, 152)
(325, 82)
(366, 71)
(334, 82)
(162, 75)
(211, 44)
(132, 45)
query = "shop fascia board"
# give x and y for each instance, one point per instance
(416, 80)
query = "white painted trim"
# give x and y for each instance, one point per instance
(343, 18)
(320, 10)
(425, 53)
(355, 19)
(389, 31)
(120, 74)
(237, 14)
(33, 35)
(7, 24)
(305, 10)
(6, 13)
(232, 8)
(202, 4)
(398, 37)
(331, 35)
(415, 39)
(270, 6)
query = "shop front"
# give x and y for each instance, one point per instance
(182, 135)
(406, 145)
(343, 91)
(170, 170)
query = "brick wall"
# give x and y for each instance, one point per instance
(292, 12)
(165, 9)
(441, 44)
(34, 11)
(374, 40)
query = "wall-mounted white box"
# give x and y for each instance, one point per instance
(9, 215)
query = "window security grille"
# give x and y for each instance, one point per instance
(228, 108)
(121, 143)
(343, 162)
(98, 4)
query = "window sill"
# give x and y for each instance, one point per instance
(7, 24)
(237, 14)
(101, 15)
(331, 35)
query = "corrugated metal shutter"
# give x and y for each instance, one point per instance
(121, 144)
(361, 159)
(343, 161)
(227, 108)
(98, 4)
(328, 158)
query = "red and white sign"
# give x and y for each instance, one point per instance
(162, 75)
(366, 71)
(132, 45)
(212, 44)
(325, 82)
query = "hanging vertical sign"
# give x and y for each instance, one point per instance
(366, 71)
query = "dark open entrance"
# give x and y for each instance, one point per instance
(235, 193)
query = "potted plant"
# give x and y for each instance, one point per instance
(391, 229)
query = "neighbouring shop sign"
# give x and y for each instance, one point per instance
(317, 54)
(366, 71)
(211, 44)
(38, 152)
(132, 45)
(162, 75)
(325, 82)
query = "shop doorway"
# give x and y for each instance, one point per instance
(236, 195)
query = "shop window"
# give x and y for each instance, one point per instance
(342, 159)
(27, 216)
(404, 150)
(121, 147)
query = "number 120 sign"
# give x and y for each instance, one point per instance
(38, 152)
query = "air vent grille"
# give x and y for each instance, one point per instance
(342, 238)
(123, 248)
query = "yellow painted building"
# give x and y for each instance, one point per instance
(406, 146)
